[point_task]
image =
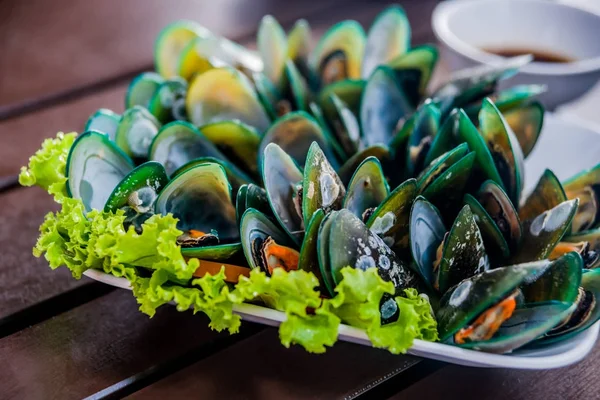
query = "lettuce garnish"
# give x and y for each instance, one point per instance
(158, 273)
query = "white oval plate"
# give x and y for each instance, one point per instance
(564, 147)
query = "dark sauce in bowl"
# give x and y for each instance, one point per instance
(538, 55)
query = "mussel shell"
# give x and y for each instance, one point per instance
(323, 255)
(339, 53)
(346, 127)
(168, 102)
(547, 194)
(586, 187)
(413, 71)
(317, 112)
(282, 177)
(142, 89)
(526, 122)
(447, 190)
(440, 165)
(560, 281)
(383, 106)
(504, 148)
(256, 226)
(351, 243)
(95, 166)
(465, 301)
(136, 131)
(322, 188)
(139, 189)
(493, 239)
(525, 325)
(298, 47)
(499, 207)
(235, 177)
(309, 260)
(238, 141)
(509, 99)
(224, 94)
(267, 93)
(178, 143)
(294, 133)
(219, 252)
(541, 234)
(426, 126)
(349, 91)
(103, 121)
(171, 41)
(427, 232)
(367, 188)
(388, 38)
(590, 236)
(272, 45)
(297, 86)
(391, 219)
(206, 185)
(463, 254)
(458, 129)
(381, 152)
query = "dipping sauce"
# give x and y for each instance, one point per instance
(538, 55)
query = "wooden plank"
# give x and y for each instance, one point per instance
(53, 47)
(91, 347)
(261, 368)
(579, 381)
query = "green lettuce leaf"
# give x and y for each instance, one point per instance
(307, 323)
(357, 303)
(47, 166)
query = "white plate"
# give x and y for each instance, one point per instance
(566, 148)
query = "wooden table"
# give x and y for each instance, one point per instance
(62, 338)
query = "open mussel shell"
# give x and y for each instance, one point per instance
(526, 122)
(504, 148)
(493, 239)
(235, 177)
(560, 281)
(466, 301)
(472, 84)
(339, 53)
(265, 245)
(295, 88)
(379, 151)
(541, 234)
(103, 121)
(427, 232)
(391, 218)
(139, 189)
(426, 126)
(294, 133)
(349, 91)
(379, 119)
(463, 253)
(142, 89)
(309, 259)
(458, 129)
(298, 48)
(367, 189)
(440, 165)
(590, 236)
(502, 211)
(178, 143)
(350, 242)
(168, 102)
(223, 94)
(137, 128)
(509, 99)
(171, 41)
(283, 182)
(238, 142)
(547, 194)
(345, 126)
(268, 95)
(526, 323)
(95, 166)
(273, 48)
(586, 187)
(413, 71)
(215, 252)
(322, 188)
(590, 256)
(388, 38)
(447, 190)
(205, 184)
(252, 196)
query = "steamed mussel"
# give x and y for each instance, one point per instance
(321, 158)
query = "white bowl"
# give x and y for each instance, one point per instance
(465, 27)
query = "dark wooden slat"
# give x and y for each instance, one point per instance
(101, 343)
(52, 47)
(579, 381)
(261, 368)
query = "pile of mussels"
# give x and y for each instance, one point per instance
(317, 159)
